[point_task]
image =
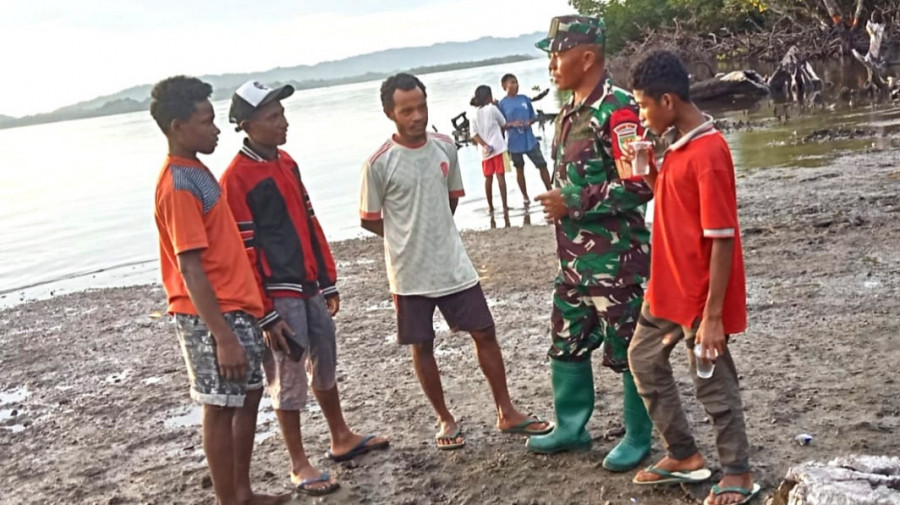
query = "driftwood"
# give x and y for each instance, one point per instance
(738, 84)
(851, 480)
(794, 76)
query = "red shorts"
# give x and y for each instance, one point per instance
(494, 165)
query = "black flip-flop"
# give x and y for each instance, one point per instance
(361, 448)
(304, 488)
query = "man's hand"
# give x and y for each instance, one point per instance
(276, 337)
(334, 305)
(232, 357)
(554, 205)
(711, 335)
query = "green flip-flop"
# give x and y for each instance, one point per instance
(523, 427)
(451, 438)
(684, 477)
(748, 494)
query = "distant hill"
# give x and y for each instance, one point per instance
(434, 58)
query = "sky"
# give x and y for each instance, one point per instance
(59, 52)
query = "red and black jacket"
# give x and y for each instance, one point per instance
(283, 238)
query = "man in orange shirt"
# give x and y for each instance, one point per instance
(696, 289)
(210, 288)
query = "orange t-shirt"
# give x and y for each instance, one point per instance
(696, 202)
(190, 215)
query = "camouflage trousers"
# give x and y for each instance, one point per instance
(584, 318)
(199, 349)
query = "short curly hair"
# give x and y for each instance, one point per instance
(405, 82)
(661, 72)
(176, 98)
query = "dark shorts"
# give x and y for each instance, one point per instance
(463, 311)
(535, 155)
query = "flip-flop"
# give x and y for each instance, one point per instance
(451, 437)
(361, 448)
(304, 486)
(523, 427)
(748, 494)
(688, 477)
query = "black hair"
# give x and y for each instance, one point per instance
(176, 98)
(661, 72)
(482, 96)
(405, 82)
(506, 78)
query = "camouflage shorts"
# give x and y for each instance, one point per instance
(584, 318)
(199, 348)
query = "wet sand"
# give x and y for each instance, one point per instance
(102, 413)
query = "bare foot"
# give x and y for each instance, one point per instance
(308, 473)
(444, 437)
(517, 418)
(695, 462)
(744, 480)
(267, 499)
(346, 444)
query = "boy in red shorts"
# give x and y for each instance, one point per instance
(696, 289)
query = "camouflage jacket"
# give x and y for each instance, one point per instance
(603, 241)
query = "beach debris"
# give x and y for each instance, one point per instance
(803, 439)
(850, 480)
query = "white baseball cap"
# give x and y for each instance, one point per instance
(251, 96)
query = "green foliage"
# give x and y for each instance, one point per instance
(627, 19)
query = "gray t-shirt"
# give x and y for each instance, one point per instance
(410, 190)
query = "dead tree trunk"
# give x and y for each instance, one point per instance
(872, 60)
(794, 75)
(738, 84)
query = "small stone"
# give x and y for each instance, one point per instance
(206, 482)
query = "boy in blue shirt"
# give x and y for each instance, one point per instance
(520, 115)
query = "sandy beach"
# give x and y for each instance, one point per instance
(94, 402)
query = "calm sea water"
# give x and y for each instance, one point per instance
(77, 196)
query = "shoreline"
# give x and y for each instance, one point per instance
(103, 414)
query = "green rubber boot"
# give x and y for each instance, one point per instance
(573, 397)
(635, 446)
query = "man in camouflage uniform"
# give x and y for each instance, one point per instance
(602, 241)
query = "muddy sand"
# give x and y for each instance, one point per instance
(95, 407)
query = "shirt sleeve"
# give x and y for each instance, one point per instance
(371, 193)
(718, 199)
(499, 116)
(602, 192)
(454, 177)
(476, 124)
(182, 213)
(531, 113)
(235, 192)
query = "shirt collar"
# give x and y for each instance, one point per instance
(708, 126)
(253, 155)
(603, 88)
